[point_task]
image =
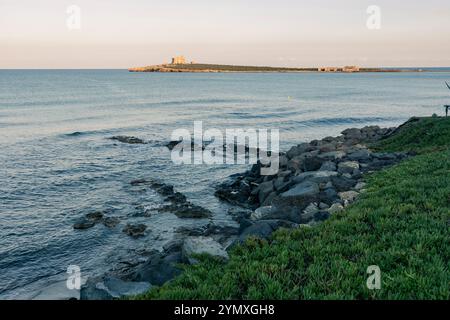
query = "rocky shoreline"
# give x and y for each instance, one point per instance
(315, 180)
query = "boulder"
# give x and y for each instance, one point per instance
(360, 185)
(335, 208)
(348, 196)
(306, 188)
(260, 229)
(202, 245)
(261, 213)
(264, 189)
(332, 155)
(328, 166)
(315, 176)
(312, 163)
(348, 166)
(159, 269)
(342, 183)
(110, 287)
(321, 215)
(298, 150)
(310, 211)
(361, 155)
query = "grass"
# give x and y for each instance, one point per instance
(401, 224)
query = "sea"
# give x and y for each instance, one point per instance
(57, 162)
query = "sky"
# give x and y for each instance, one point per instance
(293, 33)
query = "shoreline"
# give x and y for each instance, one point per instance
(316, 180)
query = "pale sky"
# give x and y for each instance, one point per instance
(122, 34)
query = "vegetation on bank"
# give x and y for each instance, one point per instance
(401, 224)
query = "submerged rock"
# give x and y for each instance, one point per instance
(83, 223)
(135, 231)
(111, 222)
(128, 139)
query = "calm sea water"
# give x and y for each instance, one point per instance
(57, 163)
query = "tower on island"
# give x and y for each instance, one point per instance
(179, 60)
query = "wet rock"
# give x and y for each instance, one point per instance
(261, 213)
(187, 211)
(202, 245)
(138, 182)
(83, 223)
(160, 268)
(263, 190)
(135, 230)
(95, 216)
(111, 222)
(171, 144)
(128, 139)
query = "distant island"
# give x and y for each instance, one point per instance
(179, 64)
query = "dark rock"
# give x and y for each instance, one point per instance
(298, 150)
(135, 231)
(111, 222)
(342, 183)
(83, 223)
(138, 182)
(109, 288)
(95, 216)
(328, 166)
(187, 210)
(260, 229)
(159, 269)
(127, 139)
(329, 196)
(362, 155)
(321, 215)
(312, 163)
(171, 144)
(306, 188)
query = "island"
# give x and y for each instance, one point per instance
(180, 64)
